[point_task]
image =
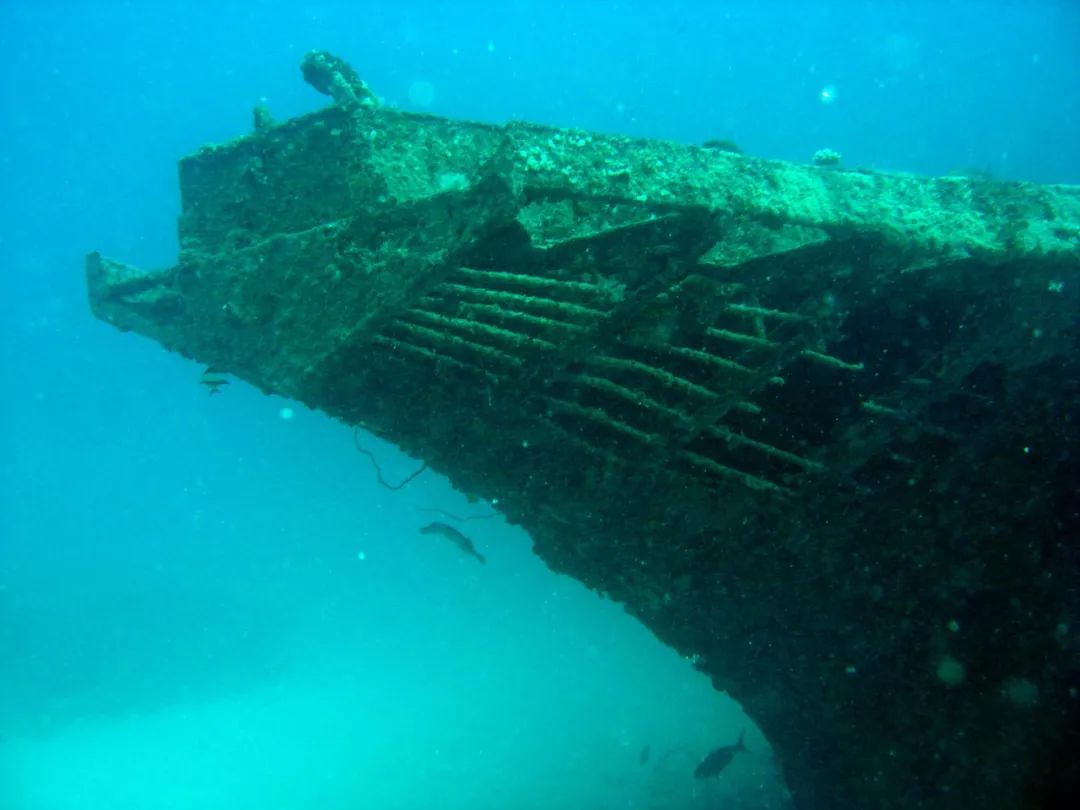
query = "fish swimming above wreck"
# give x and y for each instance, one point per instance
(716, 761)
(455, 537)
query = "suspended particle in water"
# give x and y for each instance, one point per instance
(950, 671)
(286, 413)
(827, 94)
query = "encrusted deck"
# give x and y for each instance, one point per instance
(816, 428)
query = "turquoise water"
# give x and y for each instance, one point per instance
(230, 613)
(205, 604)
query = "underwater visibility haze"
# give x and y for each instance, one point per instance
(214, 596)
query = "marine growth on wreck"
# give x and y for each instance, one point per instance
(815, 427)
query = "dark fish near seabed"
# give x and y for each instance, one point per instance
(455, 537)
(715, 762)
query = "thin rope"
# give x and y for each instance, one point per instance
(378, 469)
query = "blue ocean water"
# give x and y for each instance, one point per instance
(207, 604)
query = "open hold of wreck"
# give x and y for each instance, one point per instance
(816, 428)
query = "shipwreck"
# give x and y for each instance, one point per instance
(819, 429)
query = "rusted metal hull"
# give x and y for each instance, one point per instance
(817, 429)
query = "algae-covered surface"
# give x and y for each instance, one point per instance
(816, 428)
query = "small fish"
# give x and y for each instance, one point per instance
(213, 380)
(646, 752)
(214, 384)
(715, 762)
(455, 537)
(722, 145)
